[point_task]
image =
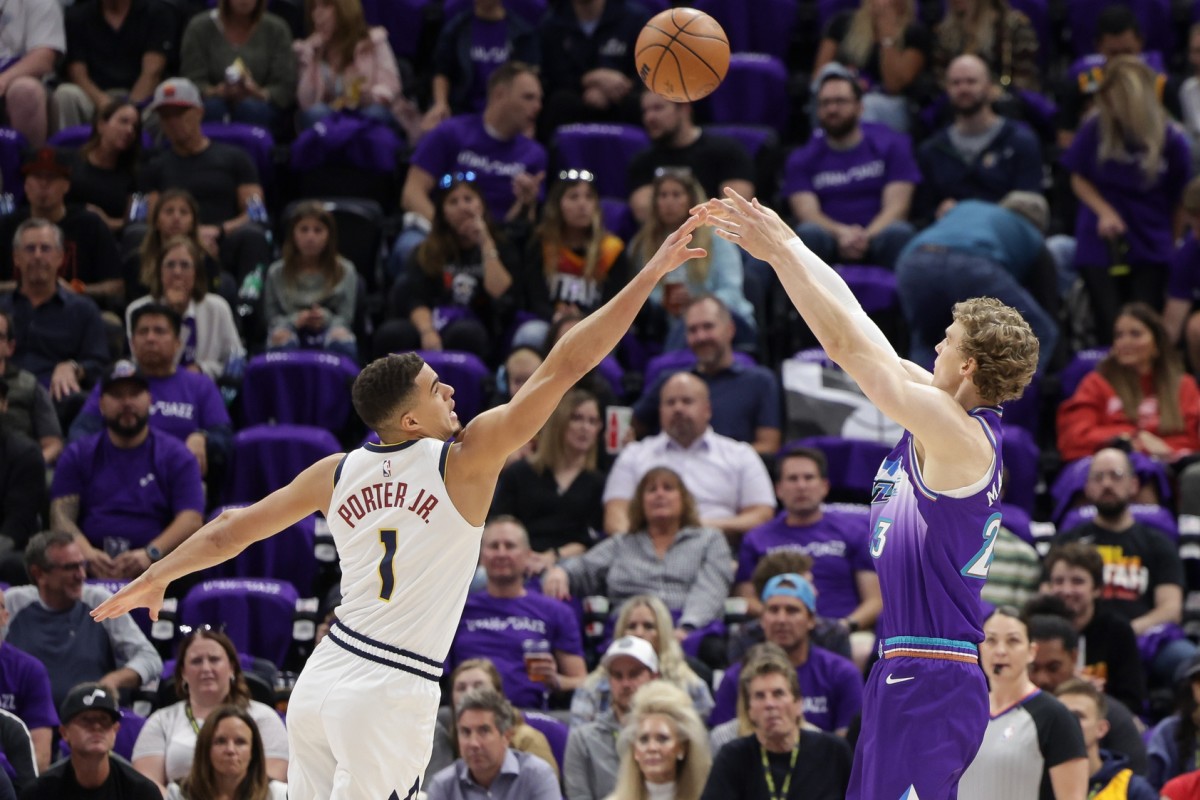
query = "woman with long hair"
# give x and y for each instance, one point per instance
(1129, 165)
(208, 675)
(646, 617)
(1171, 750)
(239, 55)
(664, 748)
(176, 213)
(1139, 393)
(309, 294)
(104, 176)
(557, 490)
(229, 763)
(996, 32)
(675, 193)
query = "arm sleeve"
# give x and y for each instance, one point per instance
(623, 476)
(576, 774)
(24, 491)
(132, 648)
(757, 489)
(152, 739)
(1059, 736)
(588, 573)
(45, 419)
(274, 734)
(705, 600)
(566, 630)
(37, 701)
(727, 780)
(18, 748)
(1126, 679)
(70, 477)
(901, 165)
(1028, 162)
(281, 90)
(275, 308)
(193, 61)
(186, 488)
(748, 557)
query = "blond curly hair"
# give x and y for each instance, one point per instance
(1003, 346)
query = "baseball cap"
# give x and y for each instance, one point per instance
(89, 697)
(123, 370)
(176, 93)
(635, 648)
(789, 584)
(47, 161)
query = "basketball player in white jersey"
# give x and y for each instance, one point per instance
(407, 518)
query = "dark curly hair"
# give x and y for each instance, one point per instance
(385, 386)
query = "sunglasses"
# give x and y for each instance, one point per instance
(576, 175)
(451, 178)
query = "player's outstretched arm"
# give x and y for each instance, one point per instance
(493, 435)
(226, 536)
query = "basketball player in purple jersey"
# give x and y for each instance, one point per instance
(935, 510)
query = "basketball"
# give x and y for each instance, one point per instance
(682, 54)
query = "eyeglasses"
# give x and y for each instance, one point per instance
(72, 566)
(673, 172)
(98, 719)
(1110, 474)
(576, 175)
(187, 630)
(451, 178)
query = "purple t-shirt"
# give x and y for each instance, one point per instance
(839, 544)
(497, 627)
(832, 688)
(1146, 209)
(25, 688)
(489, 49)
(128, 497)
(461, 144)
(849, 183)
(1184, 280)
(181, 404)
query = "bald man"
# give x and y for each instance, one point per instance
(728, 479)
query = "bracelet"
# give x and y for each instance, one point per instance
(491, 252)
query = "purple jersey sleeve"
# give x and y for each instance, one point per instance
(69, 474)
(797, 173)
(211, 410)
(185, 490)
(901, 163)
(566, 636)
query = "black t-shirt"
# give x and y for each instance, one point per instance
(212, 176)
(916, 37)
(91, 253)
(712, 159)
(553, 519)
(114, 57)
(124, 783)
(108, 189)
(822, 770)
(1110, 653)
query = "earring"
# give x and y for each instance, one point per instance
(679, 757)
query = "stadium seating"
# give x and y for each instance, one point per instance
(256, 613)
(298, 387)
(602, 149)
(268, 457)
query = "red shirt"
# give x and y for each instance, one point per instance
(1093, 416)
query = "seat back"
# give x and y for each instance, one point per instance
(1084, 362)
(256, 142)
(1155, 516)
(268, 457)
(289, 555)
(70, 138)
(676, 360)
(467, 374)
(257, 613)
(1073, 478)
(1025, 411)
(298, 387)
(605, 150)
(12, 150)
(754, 92)
(554, 730)
(1021, 456)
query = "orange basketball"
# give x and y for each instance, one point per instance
(682, 54)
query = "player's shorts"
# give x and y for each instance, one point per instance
(361, 721)
(924, 717)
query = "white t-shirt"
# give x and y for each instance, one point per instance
(276, 790)
(168, 733)
(29, 24)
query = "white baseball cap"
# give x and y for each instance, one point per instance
(635, 648)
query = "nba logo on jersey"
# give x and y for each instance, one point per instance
(910, 794)
(387, 468)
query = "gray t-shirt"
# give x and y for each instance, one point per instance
(969, 146)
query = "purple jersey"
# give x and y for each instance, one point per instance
(838, 544)
(181, 403)
(25, 688)
(1184, 280)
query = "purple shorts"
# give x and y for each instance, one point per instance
(923, 721)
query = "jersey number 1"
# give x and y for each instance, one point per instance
(387, 575)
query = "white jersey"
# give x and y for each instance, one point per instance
(407, 555)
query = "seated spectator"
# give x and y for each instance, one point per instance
(724, 478)
(820, 762)
(50, 621)
(176, 213)
(187, 404)
(493, 147)
(63, 341)
(843, 570)
(851, 187)
(131, 493)
(458, 291)
(28, 408)
(1016, 571)
(994, 32)
(209, 342)
(517, 368)
(91, 264)
(642, 616)
(591, 761)
(346, 66)
(239, 56)
(34, 40)
(676, 141)
(1182, 787)
(746, 399)
(208, 679)
(1181, 315)
(103, 176)
(507, 624)
(978, 247)
(1170, 747)
(484, 723)
(1143, 576)
(886, 43)
(469, 48)
(1129, 164)
(719, 272)
(830, 684)
(667, 552)
(556, 490)
(232, 762)
(90, 721)
(115, 49)
(467, 676)
(220, 176)
(664, 747)
(588, 68)
(309, 293)
(1138, 395)
(25, 692)
(19, 766)
(981, 156)
(22, 485)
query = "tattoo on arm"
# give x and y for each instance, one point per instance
(64, 514)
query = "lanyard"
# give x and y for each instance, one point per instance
(196, 725)
(787, 782)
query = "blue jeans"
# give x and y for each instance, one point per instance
(249, 111)
(882, 251)
(930, 282)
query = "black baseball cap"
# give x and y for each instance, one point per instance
(89, 697)
(123, 370)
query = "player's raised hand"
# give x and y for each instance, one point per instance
(674, 250)
(141, 592)
(755, 228)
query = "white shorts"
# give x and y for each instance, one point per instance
(358, 729)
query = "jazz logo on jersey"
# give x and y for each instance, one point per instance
(883, 488)
(387, 468)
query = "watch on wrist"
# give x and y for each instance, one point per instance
(852, 625)
(154, 553)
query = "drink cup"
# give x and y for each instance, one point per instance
(617, 424)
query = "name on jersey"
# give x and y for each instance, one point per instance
(500, 624)
(381, 495)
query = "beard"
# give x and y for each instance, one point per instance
(969, 107)
(839, 130)
(1111, 510)
(128, 431)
